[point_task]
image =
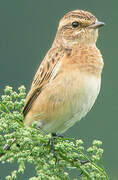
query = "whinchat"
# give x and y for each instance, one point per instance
(68, 80)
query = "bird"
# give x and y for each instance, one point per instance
(68, 80)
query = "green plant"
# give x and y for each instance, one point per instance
(28, 144)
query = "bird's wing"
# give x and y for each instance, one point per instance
(46, 72)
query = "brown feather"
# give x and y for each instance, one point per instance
(42, 76)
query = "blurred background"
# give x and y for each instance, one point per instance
(27, 30)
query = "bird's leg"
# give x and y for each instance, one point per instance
(54, 135)
(53, 149)
(51, 141)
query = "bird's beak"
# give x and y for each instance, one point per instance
(96, 25)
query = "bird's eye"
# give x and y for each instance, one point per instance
(75, 24)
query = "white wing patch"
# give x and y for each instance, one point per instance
(55, 70)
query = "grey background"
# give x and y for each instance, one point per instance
(27, 29)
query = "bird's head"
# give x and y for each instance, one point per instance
(78, 27)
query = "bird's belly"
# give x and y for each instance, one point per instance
(79, 97)
(84, 99)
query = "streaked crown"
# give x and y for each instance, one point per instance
(78, 27)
